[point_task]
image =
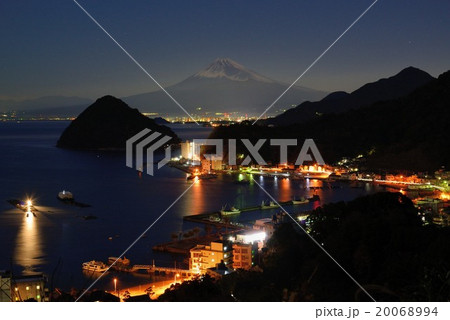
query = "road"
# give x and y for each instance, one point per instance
(157, 287)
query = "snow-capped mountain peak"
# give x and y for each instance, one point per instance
(229, 69)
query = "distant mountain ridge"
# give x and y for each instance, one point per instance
(43, 103)
(408, 133)
(393, 87)
(223, 86)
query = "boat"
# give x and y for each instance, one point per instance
(271, 205)
(95, 266)
(18, 204)
(119, 261)
(229, 211)
(301, 201)
(203, 176)
(65, 196)
(207, 176)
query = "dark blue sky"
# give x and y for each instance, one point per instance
(51, 47)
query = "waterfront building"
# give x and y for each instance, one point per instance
(203, 257)
(186, 150)
(217, 164)
(434, 210)
(23, 288)
(430, 205)
(443, 218)
(266, 224)
(219, 271)
(206, 165)
(211, 165)
(242, 255)
(5, 286)
(191, 150)
(31, 287)
(315, 171)
(246, 245)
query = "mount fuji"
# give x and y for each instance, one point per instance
(223, 86)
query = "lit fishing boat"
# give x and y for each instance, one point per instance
(65, 196)
(229, 211)
(95, 266)
(271, 205)
(300, 201)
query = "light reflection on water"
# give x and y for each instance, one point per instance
(29, 252)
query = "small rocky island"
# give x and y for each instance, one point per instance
(106, 125)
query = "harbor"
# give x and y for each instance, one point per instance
(123, 265)
(221, 221)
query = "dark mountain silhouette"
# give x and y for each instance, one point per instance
(408, 133)
(384, 89)
(223, 86)
(107, 124)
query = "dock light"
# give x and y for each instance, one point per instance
(29, 203)
(254, 237)
(115, 285)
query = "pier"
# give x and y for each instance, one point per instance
(205, 218)
(178, 166)
(152, 269)
(162, 270)
(216, 219)
(184, 246)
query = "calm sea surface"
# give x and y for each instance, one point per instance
(58, 239)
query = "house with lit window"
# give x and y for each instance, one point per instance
(28, 288)
(23, 288)
(203, 257)
(242, 256)
(209, 165)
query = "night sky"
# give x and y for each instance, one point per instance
(52, 48)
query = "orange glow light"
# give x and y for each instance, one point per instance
(444, 196)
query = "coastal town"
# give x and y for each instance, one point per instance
(230, 245)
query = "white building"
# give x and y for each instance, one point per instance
(191, 150)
